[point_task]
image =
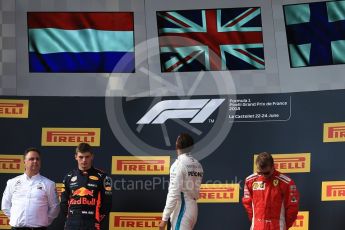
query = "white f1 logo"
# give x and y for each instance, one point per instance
(198, 109)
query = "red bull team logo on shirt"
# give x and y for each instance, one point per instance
(133, 221)
(82, 196)
(82, 192)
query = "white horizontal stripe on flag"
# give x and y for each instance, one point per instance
(50, 40)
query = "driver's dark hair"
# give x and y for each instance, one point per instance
(83, 148)
(184, 143)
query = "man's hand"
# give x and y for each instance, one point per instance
(162, 225)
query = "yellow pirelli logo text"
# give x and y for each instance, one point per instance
(60, 188)
(333, 190)
(4, 221)
(290, 163)
(334, 132)
(219, 193)
(70, 136)
(302, 221)
(10, 108)
(134, 220)
(11, 164)
(140, 165)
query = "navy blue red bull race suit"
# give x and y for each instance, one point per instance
(86, 199)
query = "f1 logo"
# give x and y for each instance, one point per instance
(198, 109)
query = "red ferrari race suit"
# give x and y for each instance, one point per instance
(86, 199)
(271, 203)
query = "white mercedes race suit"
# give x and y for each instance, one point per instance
(185, 179)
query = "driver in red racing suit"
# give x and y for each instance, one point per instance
(86, 198)
(270, 198)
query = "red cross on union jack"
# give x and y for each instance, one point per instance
(225, 38)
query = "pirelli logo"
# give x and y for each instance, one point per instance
(290, 163)
(219, 193)
(10, 108)
(11, 164)
(334, 132)
(333, 190)
(140, 165)
(70, 136)
(4, 221)
(60, 188)
(134, 220)
(302, 221)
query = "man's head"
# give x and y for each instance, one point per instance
(32, 161)
(265, 164)
(184, 143)
(84, 156)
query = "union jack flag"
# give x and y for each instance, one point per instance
(215, 39)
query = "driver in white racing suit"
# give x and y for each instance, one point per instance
(185, 179)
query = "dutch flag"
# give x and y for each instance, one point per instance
(81, 42)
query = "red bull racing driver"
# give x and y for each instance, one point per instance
(86, 199)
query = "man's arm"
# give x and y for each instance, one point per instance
(6, 202)
(291, 202)
(175, 188)
(53, 203)
(247, 200)
(65, 194)
(106, 197)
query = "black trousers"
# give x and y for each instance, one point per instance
(78, 223)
